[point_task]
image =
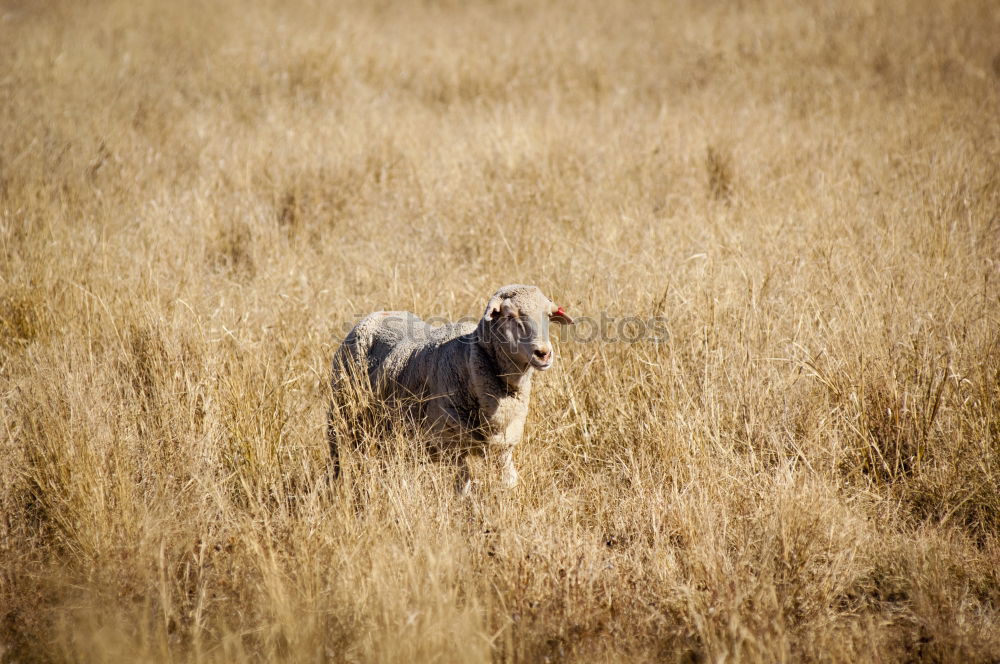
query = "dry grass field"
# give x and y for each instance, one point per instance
(198, 199)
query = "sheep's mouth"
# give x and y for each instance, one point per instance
(540, 365)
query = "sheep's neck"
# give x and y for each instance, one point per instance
(515, 379)
(517, 382)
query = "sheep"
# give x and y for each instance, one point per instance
(469, 384)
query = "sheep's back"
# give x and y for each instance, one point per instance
(385, 341)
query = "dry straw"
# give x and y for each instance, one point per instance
(196, 199)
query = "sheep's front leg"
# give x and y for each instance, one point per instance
(463, 482)
(508, 472)
(500, 447)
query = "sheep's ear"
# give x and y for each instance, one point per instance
(561, 317)
(497, 308)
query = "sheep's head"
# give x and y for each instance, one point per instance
(516, 325)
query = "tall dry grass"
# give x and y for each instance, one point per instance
(196, 199)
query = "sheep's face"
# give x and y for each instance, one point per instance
(518, 318)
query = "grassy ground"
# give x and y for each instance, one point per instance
(196, 199)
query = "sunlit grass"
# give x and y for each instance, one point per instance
(197, 201)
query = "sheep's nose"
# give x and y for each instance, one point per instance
(543, 354)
